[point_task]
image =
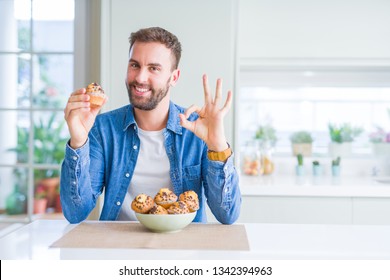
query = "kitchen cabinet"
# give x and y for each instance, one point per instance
(294, 210)
(371, 211)
(301, 210)
(350, 200)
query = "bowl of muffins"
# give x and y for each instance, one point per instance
(166, 212)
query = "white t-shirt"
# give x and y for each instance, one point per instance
(151, 171)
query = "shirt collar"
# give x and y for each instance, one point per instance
(173, 118)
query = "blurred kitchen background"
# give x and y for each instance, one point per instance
(310, 125)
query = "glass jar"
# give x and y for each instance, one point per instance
(251, 159)
(267, 161)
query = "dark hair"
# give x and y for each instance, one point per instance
(160, 35)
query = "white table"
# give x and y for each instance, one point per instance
(267, 241)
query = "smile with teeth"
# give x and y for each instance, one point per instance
(142, 90)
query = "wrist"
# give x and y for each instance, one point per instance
(218, 147)
(75, 145)
(220, 155)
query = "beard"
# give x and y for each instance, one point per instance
(146, 103)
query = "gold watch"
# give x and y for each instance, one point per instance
(219, 156)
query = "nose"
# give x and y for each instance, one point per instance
(141, 75)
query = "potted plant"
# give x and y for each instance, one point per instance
(380, 141)
(299, 169)
(266, 137)
(49, 148)
(40, 200)
(317, 169)
(341, 138)
(301, 143)
(336, 167)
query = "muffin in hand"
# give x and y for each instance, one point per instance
(96, 95)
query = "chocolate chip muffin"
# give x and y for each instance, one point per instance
(142, 203)
(96, 94)
(158, 210)
(178, 207)
(165, 197)
(191, 199)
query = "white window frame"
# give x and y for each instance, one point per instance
(82, 17)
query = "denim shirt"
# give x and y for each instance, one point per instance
(107, 160)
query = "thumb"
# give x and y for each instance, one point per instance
(185, 123)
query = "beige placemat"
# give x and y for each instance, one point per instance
(134, 235)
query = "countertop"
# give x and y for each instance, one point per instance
(322, 186)
(266, 241)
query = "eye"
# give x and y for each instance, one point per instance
(155, 69)
(133, 65)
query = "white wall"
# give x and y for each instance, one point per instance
(332, 32)
(352, 29)
(205, 29)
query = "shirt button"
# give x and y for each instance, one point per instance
(118, 203)
(74, 158)
(127, 175)
(74, 182)
(135, 147)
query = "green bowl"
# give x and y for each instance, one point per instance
(165, 223)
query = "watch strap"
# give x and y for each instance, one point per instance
(219, 156)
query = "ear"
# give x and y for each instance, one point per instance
(174, 77)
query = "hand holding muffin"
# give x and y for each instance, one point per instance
(81, 111)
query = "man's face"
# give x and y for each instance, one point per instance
(149, 75)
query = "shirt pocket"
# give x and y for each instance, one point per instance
(192, 177)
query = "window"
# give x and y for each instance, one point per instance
(293, 99)
(36, 66)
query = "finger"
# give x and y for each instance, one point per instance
(186, 124)
(74, 106)
(206, 88)
(228, 103)
(79, 91)
(71, 119)
(78, 98)
(192, 109)
(218, 91)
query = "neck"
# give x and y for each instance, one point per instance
(155, 119)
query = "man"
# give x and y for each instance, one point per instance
(149, 144)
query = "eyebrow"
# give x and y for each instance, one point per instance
(149, 64)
